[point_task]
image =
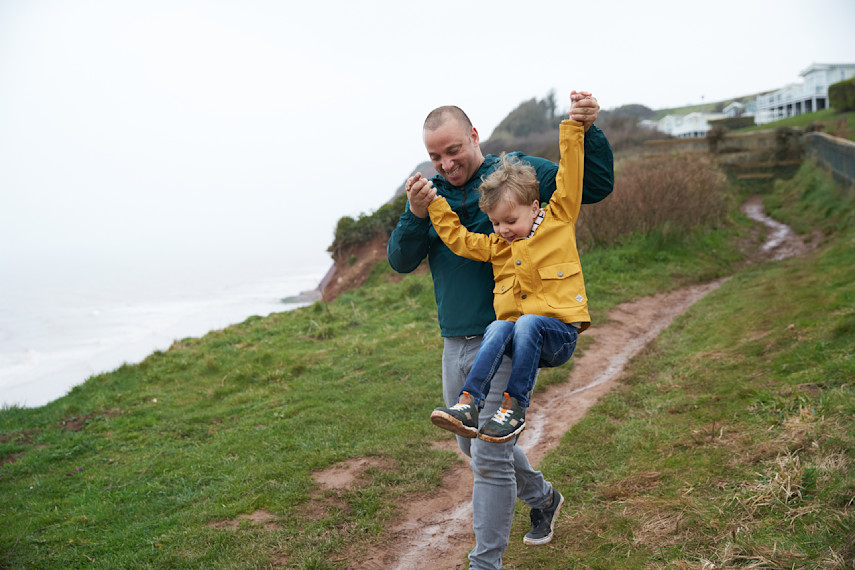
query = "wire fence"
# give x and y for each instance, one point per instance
(836, 154)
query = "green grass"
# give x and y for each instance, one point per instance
(731, 440)
(229, 424)
(829, 117)
(811, 203)
(153, 465)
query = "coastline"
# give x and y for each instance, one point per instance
(57, 341)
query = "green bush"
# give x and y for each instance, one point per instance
(841, 95)
(734, 123)
(349, 231)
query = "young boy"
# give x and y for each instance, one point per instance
(539, 297)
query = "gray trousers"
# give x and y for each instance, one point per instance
(502, 471)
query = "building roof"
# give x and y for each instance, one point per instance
(825, 67)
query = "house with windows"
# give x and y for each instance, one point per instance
(806, 97)
(735, 109)
(693, 125)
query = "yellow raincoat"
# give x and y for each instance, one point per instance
(540, 275)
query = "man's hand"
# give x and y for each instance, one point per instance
(420, 193)
(584, 108)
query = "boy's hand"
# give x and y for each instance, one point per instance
(584, 108)
(420, 193)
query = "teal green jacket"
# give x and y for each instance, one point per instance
(464, 288)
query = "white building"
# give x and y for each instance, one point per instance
(735, 109)
(693, 125)
(806, 97)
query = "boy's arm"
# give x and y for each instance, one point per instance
(461, 241)
(567, 199)
(598, 181)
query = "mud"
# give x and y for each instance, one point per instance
(782, 241)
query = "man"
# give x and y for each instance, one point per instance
(464, 297)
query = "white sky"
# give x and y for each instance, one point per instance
(230, 128)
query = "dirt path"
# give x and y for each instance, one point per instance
(436, 532)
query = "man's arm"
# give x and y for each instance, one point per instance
(599, 178)
(409, 243)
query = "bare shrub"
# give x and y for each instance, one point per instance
(673, 194)
(625, 133)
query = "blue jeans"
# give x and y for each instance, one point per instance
(502, 471)
(534, 341)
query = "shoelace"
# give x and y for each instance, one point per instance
(460, 406)
(502, 416)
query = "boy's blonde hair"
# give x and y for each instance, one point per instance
(513, 181)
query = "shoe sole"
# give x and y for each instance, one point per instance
(452, 424)
(504, 438)
(546, 539)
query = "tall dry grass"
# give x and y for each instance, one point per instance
(673, 194)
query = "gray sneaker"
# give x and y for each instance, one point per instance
(461, 418)
(542, 521)
(505, 424)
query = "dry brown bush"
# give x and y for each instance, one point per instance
(673, 194)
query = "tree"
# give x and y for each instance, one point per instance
(530, 117)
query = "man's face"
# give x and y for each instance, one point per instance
(454, 151)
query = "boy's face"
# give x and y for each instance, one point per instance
(512, 220)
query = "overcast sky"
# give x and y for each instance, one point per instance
(249, 127)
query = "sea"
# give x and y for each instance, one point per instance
(63, 323)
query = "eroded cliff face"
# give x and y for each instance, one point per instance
(353, 263)
(352, 266)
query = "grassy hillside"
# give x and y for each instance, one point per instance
(732, 441)
(828, 120)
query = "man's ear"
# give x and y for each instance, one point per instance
(474, 137)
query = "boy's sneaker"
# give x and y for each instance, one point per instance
(461, 418)
(505, 424)
(542, 521)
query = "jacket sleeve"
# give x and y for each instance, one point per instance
(599, 178)
(409, 242)
(599, 169)
(567, 199)
(459, 240)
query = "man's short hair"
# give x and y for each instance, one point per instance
(440, 115)
(514, 181)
